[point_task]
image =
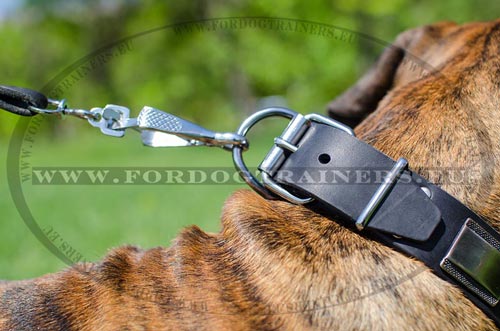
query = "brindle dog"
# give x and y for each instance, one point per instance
(277, 266)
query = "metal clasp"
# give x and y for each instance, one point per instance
(283, 145)
(161, 129)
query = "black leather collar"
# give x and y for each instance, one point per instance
(411, 215)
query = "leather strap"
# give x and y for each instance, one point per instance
(17, 100)
(408, 220)
(407, 211)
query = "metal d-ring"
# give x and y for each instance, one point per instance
(240, 165)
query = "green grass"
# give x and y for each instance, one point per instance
(92, 219)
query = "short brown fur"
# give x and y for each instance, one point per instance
(277, 266)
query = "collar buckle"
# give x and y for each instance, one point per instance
(285, 144)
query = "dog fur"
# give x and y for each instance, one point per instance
(278, 266)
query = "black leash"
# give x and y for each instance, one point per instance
(22, 101)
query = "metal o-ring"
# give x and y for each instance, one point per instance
(240, 165)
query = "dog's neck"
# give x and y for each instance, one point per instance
(449, 135)
(329, 276)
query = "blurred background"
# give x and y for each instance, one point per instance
(175, 56)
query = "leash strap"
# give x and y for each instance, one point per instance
(157, 128)
(414, 217)
(19, 100)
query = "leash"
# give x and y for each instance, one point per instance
(157, 128)
(317, 162)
